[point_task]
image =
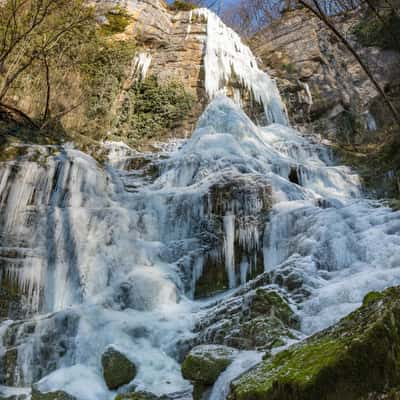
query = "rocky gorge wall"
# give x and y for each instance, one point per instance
(324, 87)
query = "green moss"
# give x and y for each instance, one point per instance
(204, 364)
(359, 355)
(349, 124)
(136, 396)
(58, 395)
(289, 68)
(12, 152)
(372, 297)
(268, 301)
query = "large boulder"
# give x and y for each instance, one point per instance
(355, 359)
(57, 395)
(138, 396)
(205, 363)
(118, 370)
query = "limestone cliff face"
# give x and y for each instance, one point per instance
(323, 85)
(175, 42)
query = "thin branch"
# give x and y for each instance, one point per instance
(48, 91)
(20, 113)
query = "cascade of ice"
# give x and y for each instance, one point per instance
(227, 58)
(229, 248)
(121, 250)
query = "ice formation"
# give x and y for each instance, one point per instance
(106, 254)
(227, 58)
(140, 65)
(112, 256)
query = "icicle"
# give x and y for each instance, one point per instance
(229, 249)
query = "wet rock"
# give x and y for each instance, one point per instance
(118, 370)
(10, 368)
(205, 363)
(354, 359)
(150, 396)
(139, 396)
(57, 395)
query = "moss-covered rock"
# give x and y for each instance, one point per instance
(205, 363)
(10, 370)
(58, 395)
(358, 356)
(118, 370)
(138, 396)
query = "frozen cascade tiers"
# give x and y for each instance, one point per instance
(126, 259)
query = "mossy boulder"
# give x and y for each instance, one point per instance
(205, 363)
(118, 370)
(358, 356)
(57, 395)
(138, 396)
(9, 369)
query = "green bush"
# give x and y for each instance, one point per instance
(151, 108)
(179, 5)
(117, 21)
(104, 73)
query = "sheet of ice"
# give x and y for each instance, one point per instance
(226, 58)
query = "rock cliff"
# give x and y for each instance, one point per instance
(324, 87)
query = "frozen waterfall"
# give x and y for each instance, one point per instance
(112, 256)
(227, 59)
(129, 254)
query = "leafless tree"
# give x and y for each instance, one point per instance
(31, 32)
